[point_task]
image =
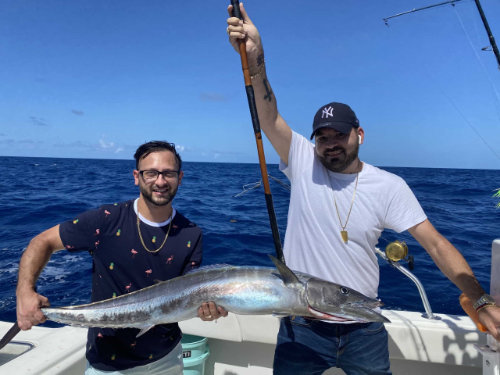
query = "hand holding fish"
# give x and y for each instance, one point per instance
(209, 311)
(29, 313)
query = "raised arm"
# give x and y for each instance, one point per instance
(271, 122)
(34, 259)
(454, 266)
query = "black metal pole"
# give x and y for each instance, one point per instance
(258, 139)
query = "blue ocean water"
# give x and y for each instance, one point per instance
(37, 193)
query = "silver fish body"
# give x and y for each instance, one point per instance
(241, 290)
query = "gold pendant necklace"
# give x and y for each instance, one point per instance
(142, 240)
(343, 232)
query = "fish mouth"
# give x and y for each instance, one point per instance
(354, 312)
(325, 316)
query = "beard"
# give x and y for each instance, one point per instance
(165, 199)
(340, 162)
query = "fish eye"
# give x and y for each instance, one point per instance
(344, 290)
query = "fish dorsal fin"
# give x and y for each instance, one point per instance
(286, 273)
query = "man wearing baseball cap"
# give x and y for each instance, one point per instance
(339, 206)
(336, 116)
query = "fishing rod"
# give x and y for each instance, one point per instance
(452, 2)
(258, 138)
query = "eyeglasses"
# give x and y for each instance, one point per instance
(152, 174)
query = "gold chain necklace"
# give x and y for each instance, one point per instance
(142, 240)
(343, 232)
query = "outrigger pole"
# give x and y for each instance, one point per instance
(419, 9)
(488, 31)
(258, 138)
(452, 2)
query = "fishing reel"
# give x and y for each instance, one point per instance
(396, 251)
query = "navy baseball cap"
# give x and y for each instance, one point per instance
(337, 116)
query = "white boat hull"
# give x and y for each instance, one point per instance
(244, 345)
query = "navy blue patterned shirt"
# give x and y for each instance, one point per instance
(121, 264)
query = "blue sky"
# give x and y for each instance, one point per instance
(94, 79)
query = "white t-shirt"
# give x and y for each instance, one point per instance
(313, 243)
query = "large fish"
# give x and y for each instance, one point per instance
(241, 290)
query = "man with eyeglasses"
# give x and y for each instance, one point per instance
(132, 244)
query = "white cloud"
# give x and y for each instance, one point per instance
(106, 145)
(111, 146)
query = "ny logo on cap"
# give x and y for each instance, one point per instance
(327, 112)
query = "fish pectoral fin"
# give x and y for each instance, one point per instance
(143, 331)
(286, 273)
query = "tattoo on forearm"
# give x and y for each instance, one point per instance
(260, 59)
(269, 92)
